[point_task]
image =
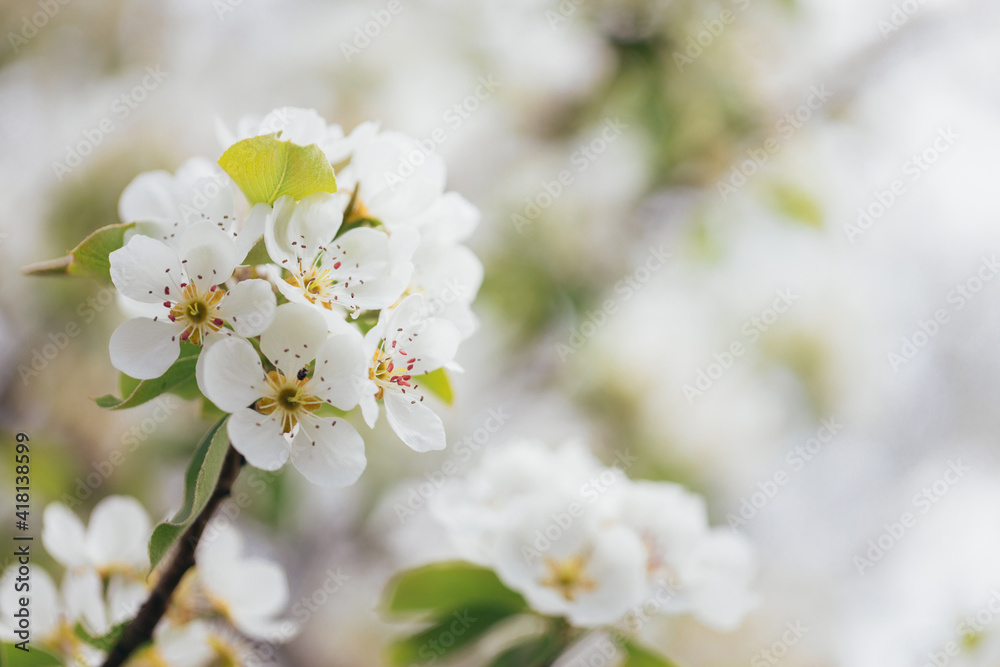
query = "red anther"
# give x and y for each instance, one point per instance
(212, 289)
(186, 334)
(166, 304)
(337, 265)
(217, 321)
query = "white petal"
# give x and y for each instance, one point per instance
(249, 307)
(63, 535)
(258, 437)
(300, 126)
(230, 374)
(125, 596)
(188, 645)
(208, 255)
(252, 229)
(44, 603)
(340, 370)
(293, 338)
(118, 532)
(369, 406)
(149, 197)
(143, 348)
(146, 270)
(371, 279)
(329, 452)
(414, 422)
(84, 597)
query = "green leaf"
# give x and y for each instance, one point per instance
(797, 204)
(637, 656)
(89, 259)
(442, 588)
(104, 643)
(34, 657)
(448, 635)
(178, 379)
(199, 481)
(265, 169)
(438, 383)
(534, 652)
(258, 254)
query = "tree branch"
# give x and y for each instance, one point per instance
(140, 629)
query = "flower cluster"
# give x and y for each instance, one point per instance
(223, 604)
(582, 541)
(301, 308)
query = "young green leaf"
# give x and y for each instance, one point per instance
(89, 259)
(104, 643)
(34, 657)
(199, 481)
(448, 635)
(438, 383)
(637, 656)
(266, 168)
(533, 652)
(179, 378)
(442, 588)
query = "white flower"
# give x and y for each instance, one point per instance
(397, 183)
(113, 542)
(53, 613)
(573, 565)
(302, 127)
(363, 269)
(277, 414)
(184, 283)
(708, 571)
(250, 592)
(162, 205)
(510, 479)
(402, 346)
(449, 276)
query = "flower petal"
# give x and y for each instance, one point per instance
(84, 598)
(341, 371)
(143, 348)
(293, 338)
(329, 452)
(249, 307)
(146, 270)
(208, 255)
(118, 532)
(149, 197)
(45, 607)
(230, 374)
(64, 536)
(258, 437)
(414, 422)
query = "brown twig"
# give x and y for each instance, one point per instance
(140, 629)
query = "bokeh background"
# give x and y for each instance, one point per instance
(821, 173)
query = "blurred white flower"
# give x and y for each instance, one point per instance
(185, 283)
(113, 542)
(250, 592)
(285, 420)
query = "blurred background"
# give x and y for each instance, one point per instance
(752, 243)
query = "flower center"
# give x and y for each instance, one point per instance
(194, 311)
(316, 285)
(569, 576)
(290, 398)
(386, 375)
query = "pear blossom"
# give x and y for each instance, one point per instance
(114, 541)
(581, 568)
(363, 269)
(302, 127)
(183, 286)
(163, 205)
(55, 613)
(250, 592)
(582, 540)
(403, 345)
(277, 414)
